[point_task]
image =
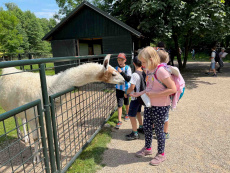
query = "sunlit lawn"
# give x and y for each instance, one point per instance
(8, 126)
(203, 57)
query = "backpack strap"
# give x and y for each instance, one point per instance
(142, 82)
(126, 83)
(155, 75)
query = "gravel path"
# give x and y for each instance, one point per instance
(199, 130)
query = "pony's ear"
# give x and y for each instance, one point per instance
(106, 61)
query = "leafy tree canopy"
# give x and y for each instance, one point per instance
(21, 32)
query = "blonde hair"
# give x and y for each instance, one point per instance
(149, 54)
(164, 56)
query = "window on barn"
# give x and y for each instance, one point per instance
(90, 46)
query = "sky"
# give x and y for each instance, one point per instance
(41, 8)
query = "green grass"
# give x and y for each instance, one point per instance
(10, 127)
(1, 111)
(49, 71)
(48, 65)
(203, 57)
(90, 159)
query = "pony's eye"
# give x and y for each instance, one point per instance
(113, 74)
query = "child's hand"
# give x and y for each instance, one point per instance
(125, 95)
(136, 94)
(119, 70)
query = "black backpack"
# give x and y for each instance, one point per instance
(217, 58)
(142, 85)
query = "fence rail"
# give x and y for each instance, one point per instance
(72, 119)
(15, 155)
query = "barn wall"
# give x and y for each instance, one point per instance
(88, 23)
(62, 48)
(114, 45)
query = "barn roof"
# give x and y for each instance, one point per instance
(77, 9)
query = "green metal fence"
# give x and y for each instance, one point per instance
(77, 115)
(15, 155)
(72, 119)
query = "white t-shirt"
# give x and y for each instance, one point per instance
(135, 80)
(213, 55)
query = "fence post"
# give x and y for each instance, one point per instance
(47, 116)
(55, 133)
(40, 113)
(30, 57)
(20, 58)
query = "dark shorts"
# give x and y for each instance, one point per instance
(121, 98)
(134, 108)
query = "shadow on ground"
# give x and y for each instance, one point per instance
(195, 70)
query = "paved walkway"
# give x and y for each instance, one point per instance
(199, 131)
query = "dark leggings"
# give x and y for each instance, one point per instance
(155, 115)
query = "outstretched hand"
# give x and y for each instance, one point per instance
(136, 94)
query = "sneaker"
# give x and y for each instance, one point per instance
(143, 152)
(166, 136)
(118, 125)
(157, 160)
(132, 136)
(126, 118)
(214, 75)
(141, 130)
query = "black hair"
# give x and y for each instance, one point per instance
(161, 44)
(137, 62)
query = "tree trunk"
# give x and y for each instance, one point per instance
(187, 41)
(175, 38)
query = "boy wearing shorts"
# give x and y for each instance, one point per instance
(135, 106)
(126, 72)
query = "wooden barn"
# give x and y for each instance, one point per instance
(88, 30)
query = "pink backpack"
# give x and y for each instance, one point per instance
(180, 86)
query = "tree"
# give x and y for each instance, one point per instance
(180, 21)
(14, 9)
(10, 39)
(66, 6)
(32, 29)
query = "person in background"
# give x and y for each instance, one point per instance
(126, 72)
(213, 62)
(222, 55)
(193, 54)
(161, 46)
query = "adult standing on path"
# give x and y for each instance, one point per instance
(160, 101)
(213, 62)
(222, 55)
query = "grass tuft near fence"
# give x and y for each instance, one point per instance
(90, 159)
